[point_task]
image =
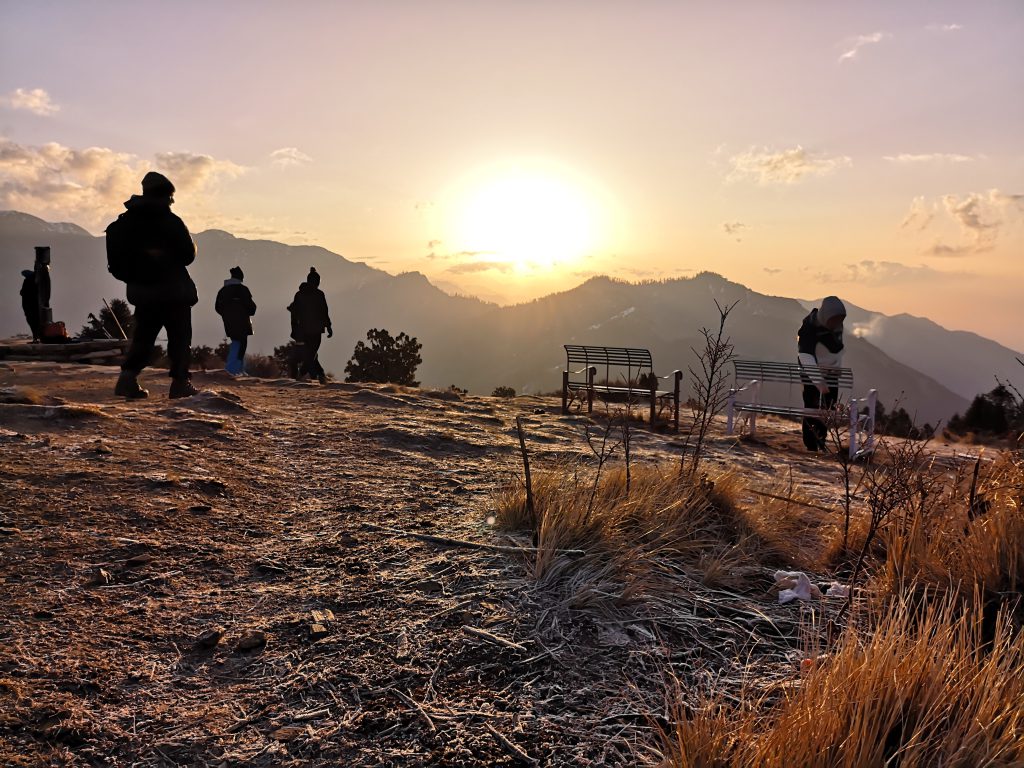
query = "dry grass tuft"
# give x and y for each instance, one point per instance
(916, 689)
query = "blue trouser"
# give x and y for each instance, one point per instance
(236, 356)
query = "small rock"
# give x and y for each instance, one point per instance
(8, 531)
(287, 732)
(209, 638)
(430, 586)
(200, 508)
(318, 631)
(44, 615)
(103, 449)
(101, 577)
(138, 560)
(322, 617)
(254, 638)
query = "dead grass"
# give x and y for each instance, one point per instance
(914, 690)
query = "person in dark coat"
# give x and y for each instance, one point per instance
(162, 292)
(820, 345)
(310, 319)
(235, 305)
(30, 303)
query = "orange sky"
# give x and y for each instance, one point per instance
(873, 150)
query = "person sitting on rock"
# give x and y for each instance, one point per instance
(820, 345)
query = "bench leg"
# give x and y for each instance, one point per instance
(653, 394)
(755, 387)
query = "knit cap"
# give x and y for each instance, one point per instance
(831, 307)
(156, 185)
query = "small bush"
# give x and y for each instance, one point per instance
(503, 391)
(263, 366)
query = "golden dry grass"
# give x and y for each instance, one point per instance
(917, 690)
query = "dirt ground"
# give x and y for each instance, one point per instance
(264, 574)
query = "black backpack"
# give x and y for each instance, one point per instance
(126, 252)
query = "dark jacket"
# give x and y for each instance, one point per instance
(812, 333)
(235, 305)
(164, 242)
(30, 297)
(309, 312)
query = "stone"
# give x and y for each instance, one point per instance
(250, 640)
(209, 638)
(138, 560)
(318, 631)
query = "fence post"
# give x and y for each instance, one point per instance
(730, 412)
(675, 397)
(565, 391)
(755, 387)
(591, 373)
(854, 426)
(654, 398)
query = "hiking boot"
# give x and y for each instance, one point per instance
(128, 386)
(181, 388)
(322, 378)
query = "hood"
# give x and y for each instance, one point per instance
(140, 203)
(307, 288)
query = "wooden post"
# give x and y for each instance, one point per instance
(678, 375)
(591, 373)
(654, 398)
(565, 391)
(529, 484)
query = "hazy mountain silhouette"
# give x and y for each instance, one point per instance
(478, 345)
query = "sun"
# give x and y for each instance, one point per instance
(532, 217)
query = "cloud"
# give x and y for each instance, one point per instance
(870, 272)
(195, 173)
(88, 185)
(772, 270)
(787, 166)
(980, 216)
(934, 157)
(733, 228)
(944, 27)
(859, 42)
(288, 156)
(36, 101)
(472, 267)
(919, 216)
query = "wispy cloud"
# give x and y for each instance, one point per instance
(933, 157)
(783, 167)
(872, 272)
(919, 216)
(772, 270)
(36, 101)
(288, 156)
(944, 27)
(88, 185)
(980, 216)
(854, 45)
(733, 228)
(471, 267)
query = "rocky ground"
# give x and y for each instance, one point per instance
(275, 573)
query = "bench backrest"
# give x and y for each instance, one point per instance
(790, 373)
(635, 361)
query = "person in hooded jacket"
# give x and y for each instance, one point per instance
(30, 303)
(310, 318)
(235, 306)
(162, 291)
(820, 345)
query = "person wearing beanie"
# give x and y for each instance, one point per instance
(310, 318)
(820, 346)
(235, 306)
(150, 249)
(30, 303)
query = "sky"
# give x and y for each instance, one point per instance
(872, 150)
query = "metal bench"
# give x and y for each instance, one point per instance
(633, 367)
(759, 372)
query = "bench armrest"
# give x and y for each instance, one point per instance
(585, 368)
(676, 374)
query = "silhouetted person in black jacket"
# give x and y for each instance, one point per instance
(309, 320)
(30, 303)
(235, 305)
(820, 344)
(159, 248)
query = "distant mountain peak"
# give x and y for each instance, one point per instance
(26, 223)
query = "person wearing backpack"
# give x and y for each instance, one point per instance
(235, 305)
(309, 320)
(30, 303)
(149, 249)
(820, 346)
